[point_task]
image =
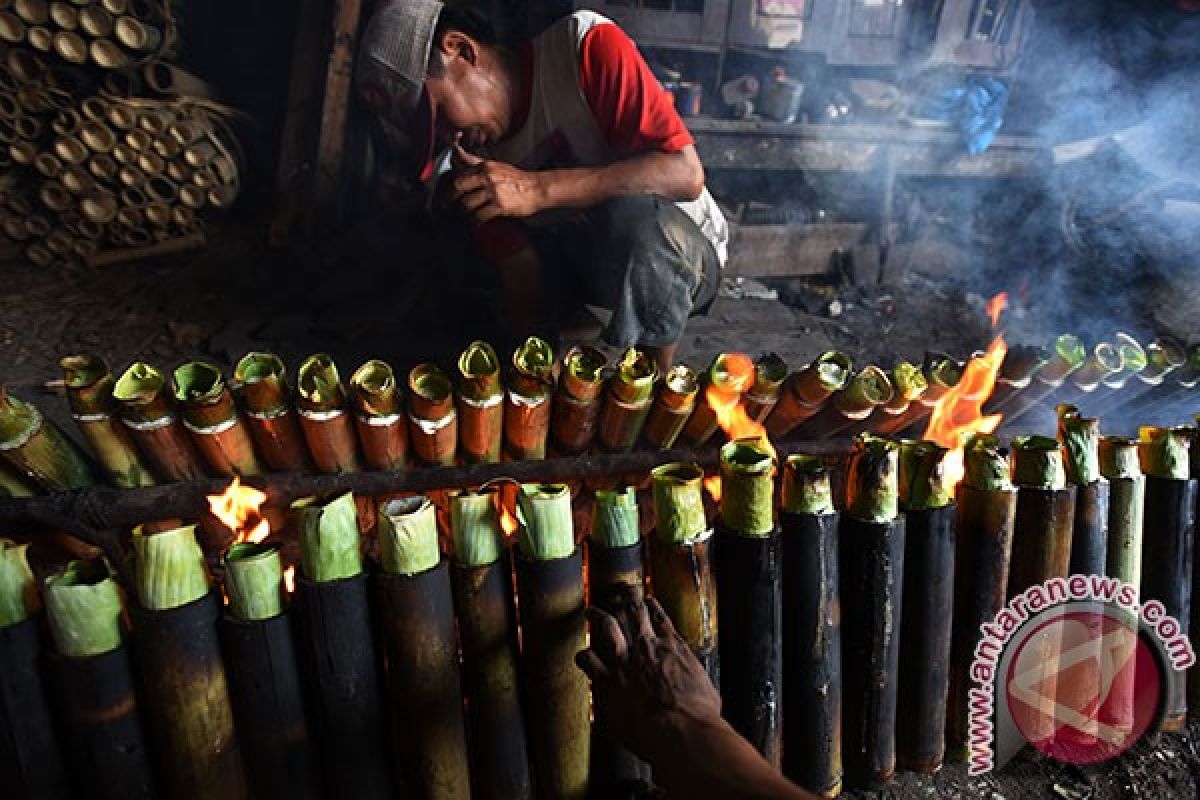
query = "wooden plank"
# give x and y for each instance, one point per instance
(777, 251)
(327, 183)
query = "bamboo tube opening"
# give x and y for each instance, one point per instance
(154, 123)
(98, 137)
(138, 237)
(64, 15)
(123, 153)
(85, 248)
(158, 215)
(39, 255)
(103, 166)
(204, 179)
(35, 12)
(71, 47)
(115, 6)
(77, 180)
(167, 147)
(55, 197)
(162, 190)
(70, 150)
(9, 107)
(66, 123)
(89, 229)
(185, 133)
(137, 35)
(108, 55)
(225, 168)
(22, 152)
(15, 229)
(41, 39)
(150, 163)
(37, 225)
(100, 207)
(122, 118)
(192, 197)
(137, 140)
(183, 216)
(25, 66)
(95, 21)
(178, 172)
(222, 196)
(47, 164)
(11, 28)
(94, 108)
(200, 154)
(133, 198)
(33, 98)
(122, 84)
(158, 77)
(59, 242)
(130, 176)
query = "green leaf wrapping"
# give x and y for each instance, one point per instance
(254, 581)
(1037, 462)
(169, 568)
(807, 488)
(1080, 439)
(679, 502)
(329, 548)
(83, 606)
(408, 536)
(747, 487)
(475, 527)
(1164, 452)
(18, 590)
(873, 483)
(924, 480)
(547, 528)
(615, 518)
(986, 464)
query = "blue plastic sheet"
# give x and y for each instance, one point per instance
(976, 107)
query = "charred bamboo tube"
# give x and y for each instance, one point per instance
(550, 585)
(927, 497)
(681, 561)
(337, 653)
(770, 371)
(185, 696)
(37, 449)
(417, 622)
(1133, 361)
(627, 403)
(527, 403)
(30, 754)
(147, 411)
(577, 402)
(90, 394)
(908, 384)
(480, 404)
(482, 582)
(871, 563)
(812, 659)
(942, 374)
(1081, 442)
(433, 423)
(804, 392)
(1127, 484)
(614, 568)
(1167, 539)
(1067, 355)
(93, 678)
(379, 416)
(321, 405)
(746, 564)
(1163, 356)
(728, 376)
(212, 419)
(672, 407)
(866, 391)
(261, 385)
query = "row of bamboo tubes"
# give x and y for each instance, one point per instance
(110, 34)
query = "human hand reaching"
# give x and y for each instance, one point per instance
(487, 190)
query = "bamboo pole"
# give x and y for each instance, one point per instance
(577, 400)
(627, 402)
(147, 411)
(1089, 539)
(36, 448)
(379, 416)
(261, 384)
(480, 401)
(673, 405)
(527, 402)
(94, 409)
(729, 375)
(212, 420)
(806, 391)
(760, 399)
(433, 422)
(321, 405)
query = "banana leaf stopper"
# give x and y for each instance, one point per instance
(319, 385)
(37, 449)
(533, 368)
(168, 568)
(679, 502)
(373, 386)
(1067, 354)
(547, 527)
(869, 388)
(732, 373)
(254, 581)
(807, 488)
(475, 527)
(1038, 463)
(633, 382)
(1163, 355)
(942, 372)
(828, 373)
(89, 384)
(583, 372)
(924, 479)
(198, 382)
(908, 383)
(83, 606)
(1133, 360)
(986, 464)
(329, 549)
(1080, 439)
(18, 590)
(873, 482)
(140, 391)
(1119, 457)
(1164, 452)
(260, 380)
(408, 536)
(479, 372)
(615, 518)
(770, 371)
(747, 487)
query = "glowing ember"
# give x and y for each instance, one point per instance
(995, 307)
(238, 508)
(731, 416)
(712, 485)
(289, 579)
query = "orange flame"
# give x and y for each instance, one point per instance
(959, 412)
(238, 508)
(289, 579)
(997, 306)
(508, 522)
(731, 416)
(712, 485)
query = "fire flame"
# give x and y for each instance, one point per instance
(959, 413)
(712, 485)
(508, 522)
(289, 579)
(731, 416)
(238, 508)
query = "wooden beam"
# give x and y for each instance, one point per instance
(339, 78)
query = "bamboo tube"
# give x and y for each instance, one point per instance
(1105, 360)
(729, 375)
(211, 418)
(177, 172)
(34, 12)
(151, 163)
(166, 147)
(378, 416)
(12, 29)
(482, 583)
(166, 79)
(1133, 361)
(55, 197)
(221, 196)
(23, 67)
(90, 394)
(805, 391)
(627, 403)
(122, 84)
(116, 7)
(869, 389)
(417, 621)
(1089, 540)
(147, 411)
(480, 402)
(338, 654)
(680, 561)
(37, 225)
(95, 21)
(199, 154)
(67, 123)
(927, 498)
(812, 663)
(137, 140)
(433, 423)
(984, 529)
(614, 572)
(27, 128)
(70, 47)
(99, 206)
(760, 399)
(550, 585)
(48, 164)
(321, 405)
(155, 123)
(21, 153)
(158, 215)
(40, 38)
(192, 197)
(137, 35)
(39, 256)
(871, 560)
(941, 374)
(78, 181)
(576, 404)
(161, 190)
(93, 679)
(103, 167)
(672, 407)
(527, 402)
(133, 199)
(121, 117)
(184, 132)
(64, 15)
(37, 449)
(107, 54)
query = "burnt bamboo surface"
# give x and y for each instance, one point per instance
(268, 706)
(683, 581)
(31, 759)
(1042, 532)
(812, 657)
(1089, 539)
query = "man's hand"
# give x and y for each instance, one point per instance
(486, 190)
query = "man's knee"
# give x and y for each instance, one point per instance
(644, 221)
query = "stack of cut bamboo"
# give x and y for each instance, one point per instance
(108, 152)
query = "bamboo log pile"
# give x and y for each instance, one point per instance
(107, 152)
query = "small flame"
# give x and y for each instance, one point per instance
(289, 579)
(997, 306)
(731, 416)
(712, 485)
(238, 508)
(508, 522)
(959, 412)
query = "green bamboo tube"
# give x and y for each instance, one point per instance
(378, 417)
(89, 393)
(408, 537)
(678, 502)
(627, 404)
(169, 568)
(1133, 361)
(866, 391)
(924, 483)
(577, 401)
(18, 591)
(1164, 355)
(11, 484)
(1104, 361)
(770, 371)
(908, 383)
(84, 609)
(672, 407)
(615, 519)
(1119, 465)
(329, 546)
(37, 449)
(748, 485)
(211, 418)
(433, 422)
(261, 385)
(1067, 355)
(321, 404)
(254, 581)
(805, 391)
(148, 412)
(1080, 439)
(729, 375)
(480, 404)
(872, 482)
(527, 403)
